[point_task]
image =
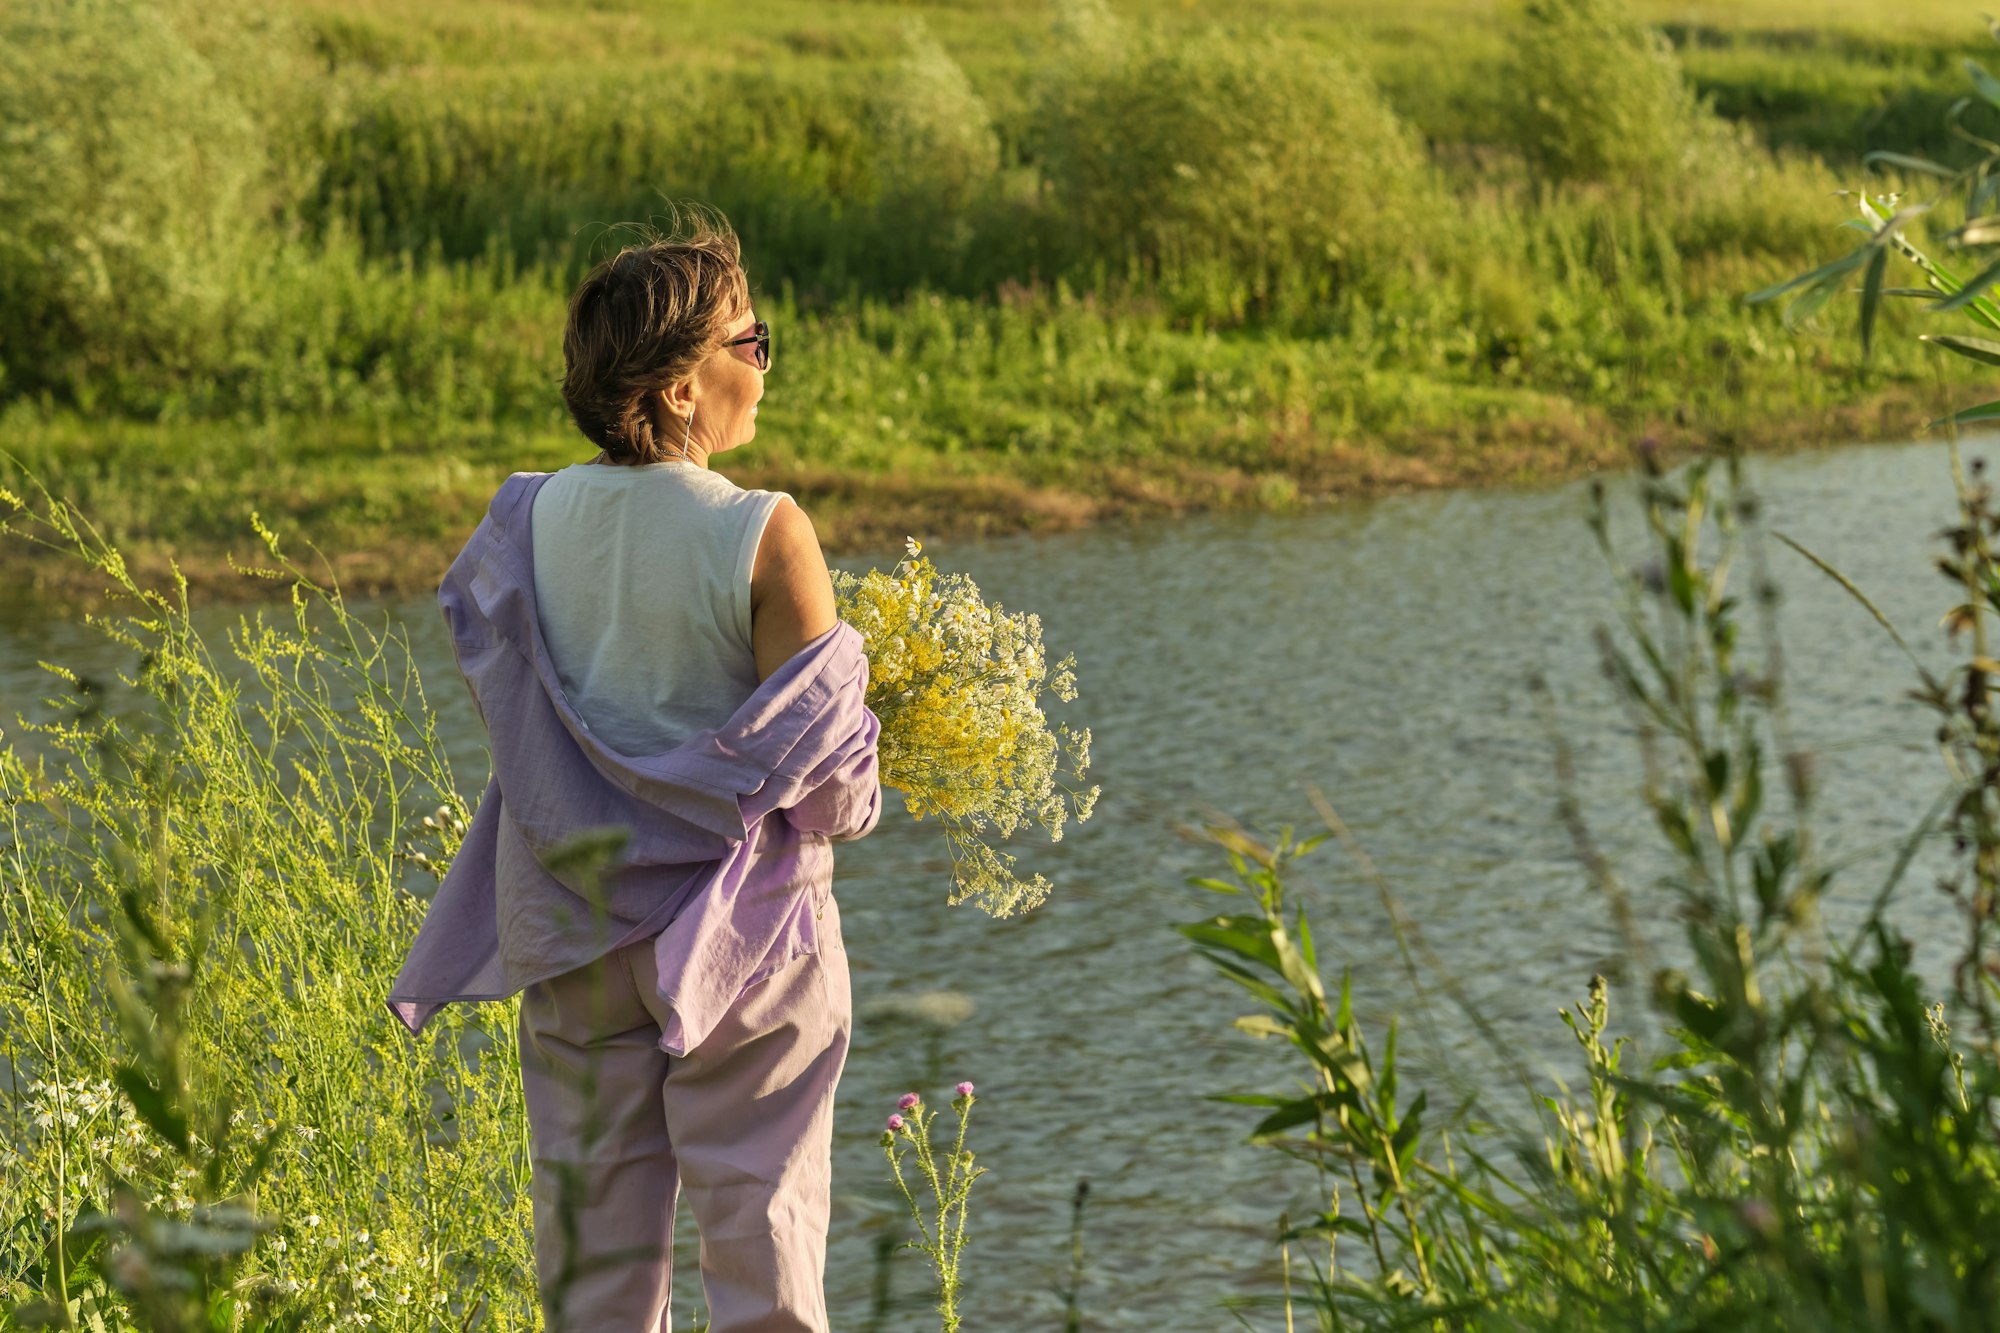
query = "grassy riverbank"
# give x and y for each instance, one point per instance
(1028, 268)
(387, 517)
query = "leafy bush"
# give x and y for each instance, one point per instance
(1180, 150)
(1600, 97)
(933, 133)
(135, 174)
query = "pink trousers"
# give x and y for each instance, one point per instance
(744, 1121)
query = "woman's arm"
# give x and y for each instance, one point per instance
(791, 592)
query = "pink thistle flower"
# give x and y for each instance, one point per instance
(895, 1122)
(908, 1100)
(965, 1089)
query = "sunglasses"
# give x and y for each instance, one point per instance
(760, 334)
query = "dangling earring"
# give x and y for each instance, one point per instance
(688, 433)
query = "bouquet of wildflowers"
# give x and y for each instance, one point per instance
(958, 686)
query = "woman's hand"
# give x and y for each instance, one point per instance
(791, 593)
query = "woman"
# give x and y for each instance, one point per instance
(655, 652)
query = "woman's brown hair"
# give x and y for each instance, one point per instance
(643, 320)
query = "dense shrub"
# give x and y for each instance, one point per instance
(1599, 96)
(1187, 149)
(133, 175)
(938, 160)
(933, 133)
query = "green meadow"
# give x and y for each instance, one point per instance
(1028, 265)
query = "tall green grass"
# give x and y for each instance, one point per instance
(257, 824)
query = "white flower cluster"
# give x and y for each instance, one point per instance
(91, 1115)
(358, 1281)
(958, 686)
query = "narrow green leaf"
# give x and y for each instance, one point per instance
(1847, 263)
(1715, 767)
(1244, 936)
(1908, 163)
(153, 1106)
(1983, 350)
(1301, 1111)
(1985, 192)
(1983, 412)
(1404, 1141)
(1333, 1054)
(1213, 885)
(1983, 83)
(1751, 799)
(1335, 1223)
(1965, 295)
(1262, 1025)
(1812, 300)
(1871, 299)
(1680, 582)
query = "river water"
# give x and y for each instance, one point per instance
(1380, 652)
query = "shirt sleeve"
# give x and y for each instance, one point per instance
(843, 798)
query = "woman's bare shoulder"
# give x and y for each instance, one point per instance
(789, 550)
(791, 592)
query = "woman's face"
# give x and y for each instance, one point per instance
(727, 387)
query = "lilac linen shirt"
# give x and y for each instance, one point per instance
(729, 854)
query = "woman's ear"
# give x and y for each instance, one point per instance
(679, 398)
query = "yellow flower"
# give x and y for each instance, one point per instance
(958, 684)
